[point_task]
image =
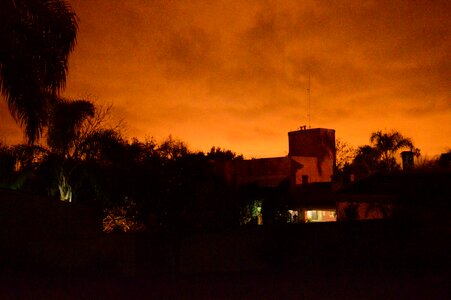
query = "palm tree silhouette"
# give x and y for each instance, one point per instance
(65, 121)
(387, 144)
(380, 156)
(36, 38)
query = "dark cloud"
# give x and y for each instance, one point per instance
(188, 53)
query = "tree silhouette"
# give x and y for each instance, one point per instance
(7, 166)
(36, 37)
(218, 154)
(19, 165)
(366, 161)
(380, 156)
(65, 122)
(387, 144)
(345, 153)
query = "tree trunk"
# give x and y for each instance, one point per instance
(64, 188)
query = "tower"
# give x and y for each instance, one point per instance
(314, 149)
(316, 142)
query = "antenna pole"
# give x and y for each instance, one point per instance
(308, 103)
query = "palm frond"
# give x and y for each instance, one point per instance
(66, 119)
(37, 37)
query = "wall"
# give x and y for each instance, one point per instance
(270, 172)
(366, 207)
(315, 170)
(265, 171)
(318, 142)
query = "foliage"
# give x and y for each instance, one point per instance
(104, 170)
(387, 144)
(366, 161)
(66, 121)
(275, 204)
(172, 149)
(7, 166)
(445, 160)
(18, 165)
(123, 218)
(380, 156)
(84, 160)
(345, 154)
(269, 203)
(218, 154)
(36, 38)
(250, 211)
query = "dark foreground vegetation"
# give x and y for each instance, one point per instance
(362, 260)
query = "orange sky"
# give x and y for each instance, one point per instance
(234, 73)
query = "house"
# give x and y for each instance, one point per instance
(311, 159)
(307, 172)
(419, 195)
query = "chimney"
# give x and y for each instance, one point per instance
(407, 160)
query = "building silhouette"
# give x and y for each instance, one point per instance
(311, 159)
(302, 179)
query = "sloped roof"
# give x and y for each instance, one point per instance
(412, 186)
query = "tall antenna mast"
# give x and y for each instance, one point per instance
(308, 103)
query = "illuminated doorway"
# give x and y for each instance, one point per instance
(327, 215)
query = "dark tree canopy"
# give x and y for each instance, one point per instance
(65, 122)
